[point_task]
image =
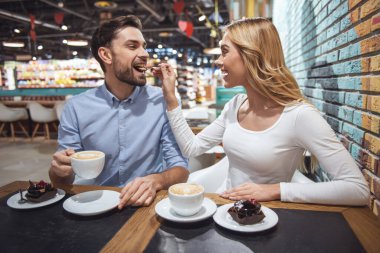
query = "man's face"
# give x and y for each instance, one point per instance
(129, 57)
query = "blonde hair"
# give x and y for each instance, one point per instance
(260, 48)
(259, 45)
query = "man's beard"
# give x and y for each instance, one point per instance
(125, 75)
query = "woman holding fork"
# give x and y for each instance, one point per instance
(266, 131)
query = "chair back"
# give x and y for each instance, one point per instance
(59, 109)
(212, 178)
(12, 114)
(41, 114)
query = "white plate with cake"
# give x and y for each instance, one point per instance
(36, 195)
(245, 216)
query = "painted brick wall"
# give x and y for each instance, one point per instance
(333, 49)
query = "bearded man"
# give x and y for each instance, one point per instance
(124, 118)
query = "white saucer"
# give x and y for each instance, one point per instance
(13, 201)
(92, 202)
(224, 219)
(164, 210)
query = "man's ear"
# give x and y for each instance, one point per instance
(105, 54)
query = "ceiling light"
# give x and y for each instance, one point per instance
(212, 51)
(64, 27)
(105, 5)
(75, 52)
(155, 56)
(77, 43)
(174, 51)
(166, 58)
(189, 60)
(159, 46)
(17, 30)
(165, 34)
(13, 44)
(60, 4)
(40, 47)
(34, 58)
(202, 18)
(64, 41)
(179, 55)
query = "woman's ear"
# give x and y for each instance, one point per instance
(105, 54)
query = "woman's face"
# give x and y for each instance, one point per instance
(231, 64)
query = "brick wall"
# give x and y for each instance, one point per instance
(333, 49)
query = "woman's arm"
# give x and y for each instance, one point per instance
(190, 144)
(348, 186)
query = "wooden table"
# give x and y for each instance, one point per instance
(136, 233)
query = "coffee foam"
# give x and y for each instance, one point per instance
(87, 155)
(186, 189)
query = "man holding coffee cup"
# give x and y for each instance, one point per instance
(124, 119)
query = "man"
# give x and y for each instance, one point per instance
(122, 118)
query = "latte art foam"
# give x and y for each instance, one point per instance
(87, 155)
(186, 189)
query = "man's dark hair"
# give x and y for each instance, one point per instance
(107, 31)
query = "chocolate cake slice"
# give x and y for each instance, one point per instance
(40, 192)
(246, 212)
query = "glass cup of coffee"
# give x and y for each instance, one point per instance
(88, 164)
(186, 198)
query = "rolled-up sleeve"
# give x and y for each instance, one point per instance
(171, 153)
(68, 131)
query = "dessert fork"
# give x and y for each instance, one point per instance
(22, 200)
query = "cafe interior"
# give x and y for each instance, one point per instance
(45, 60)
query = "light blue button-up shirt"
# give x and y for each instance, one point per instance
(134, 133)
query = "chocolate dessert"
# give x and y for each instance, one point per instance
(40, 192)
(246, 212)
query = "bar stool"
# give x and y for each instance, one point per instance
(12, 115)
(41, 114)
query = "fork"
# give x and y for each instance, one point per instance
(22, 200)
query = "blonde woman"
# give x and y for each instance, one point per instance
(266, 132)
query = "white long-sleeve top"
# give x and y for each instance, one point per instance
(272, 155)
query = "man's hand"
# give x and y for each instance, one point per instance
(142, 190)
(260, 192)
(60, 169)
(139, 192)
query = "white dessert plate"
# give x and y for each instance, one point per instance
(163, 209)
(224, 219)
(92, 202)
(13, 201)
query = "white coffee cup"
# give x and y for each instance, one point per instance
(186, 198)
(88, 164)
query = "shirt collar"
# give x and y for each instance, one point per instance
(111, 98)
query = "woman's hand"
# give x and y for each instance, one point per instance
(168, 77)
(260, 192)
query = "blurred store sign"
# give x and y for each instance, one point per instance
(249, 8)
(23, 57)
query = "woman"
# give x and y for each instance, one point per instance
(266, 132)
